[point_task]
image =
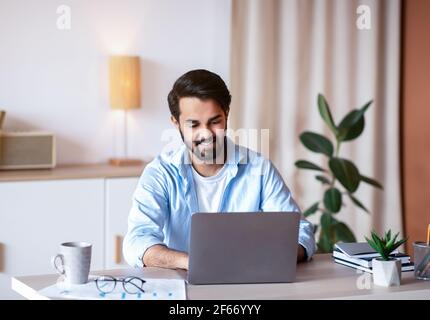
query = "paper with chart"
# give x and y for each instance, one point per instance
(155, 289)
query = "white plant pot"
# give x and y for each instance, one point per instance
(387, 273)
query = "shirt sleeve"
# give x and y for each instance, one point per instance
(147, 216)
(277, 197)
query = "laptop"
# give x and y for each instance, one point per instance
(245, 247)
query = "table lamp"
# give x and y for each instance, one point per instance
(124, 83)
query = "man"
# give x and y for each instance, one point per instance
(208, 173)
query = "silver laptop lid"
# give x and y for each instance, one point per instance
(245, 247)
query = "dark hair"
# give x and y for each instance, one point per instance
(201, 84)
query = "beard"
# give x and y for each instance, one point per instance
(207, 150)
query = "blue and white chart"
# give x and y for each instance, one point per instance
(155, 289)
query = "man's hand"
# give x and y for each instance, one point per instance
(301, 254)
(163, 257)
(184, 261)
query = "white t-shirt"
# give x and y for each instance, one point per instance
(210, 190)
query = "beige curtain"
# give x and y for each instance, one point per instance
(286, 52)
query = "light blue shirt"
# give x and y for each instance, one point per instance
(165, 199)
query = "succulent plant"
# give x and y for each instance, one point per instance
(385, 245)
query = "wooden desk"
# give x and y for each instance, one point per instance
(320, 278)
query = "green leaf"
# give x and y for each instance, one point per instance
(398, 244)
(346, 173)
(311, 210)
(324, 245)
(326, 222)
(388, 235)
(325, 113)
(357, 202)
(391, 241)
(304, 164)
(354, 116)
(343, 232)
(372, 244)
(333, 200)
(352, 125)
(317, 143)
(350, 133)
(327, 237)
(380, 246)
(371, 182)
(375, 238)
(323, 179)
(375, 244)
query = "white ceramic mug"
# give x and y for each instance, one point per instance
(73, 261)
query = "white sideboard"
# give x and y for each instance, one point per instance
(39, 209)
(118, 199)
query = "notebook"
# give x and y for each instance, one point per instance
(367, 261)
(358, 249)
(405, 267)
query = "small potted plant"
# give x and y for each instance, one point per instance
(387, 271)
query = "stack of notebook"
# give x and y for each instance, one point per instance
(359, 255)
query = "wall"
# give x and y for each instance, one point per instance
(416, 115)
(57, 80)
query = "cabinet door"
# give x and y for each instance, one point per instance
(37, 216)
(119, 193)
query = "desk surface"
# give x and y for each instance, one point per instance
(320, 278)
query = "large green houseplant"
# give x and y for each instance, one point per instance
(340, 178)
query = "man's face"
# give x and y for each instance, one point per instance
(202, 124)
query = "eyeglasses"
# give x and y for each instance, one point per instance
(131, 285)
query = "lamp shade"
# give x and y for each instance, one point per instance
(124, 82)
